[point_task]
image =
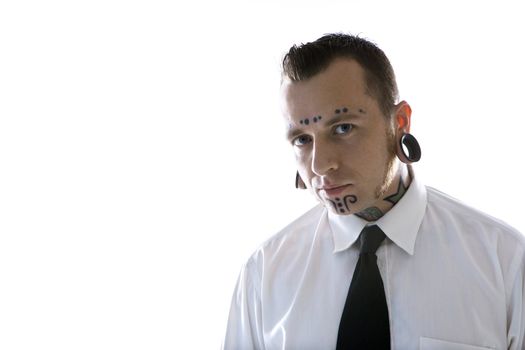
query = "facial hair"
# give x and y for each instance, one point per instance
(391, 168)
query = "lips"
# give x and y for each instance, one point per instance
(332, 191)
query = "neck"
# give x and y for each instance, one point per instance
(392, 195)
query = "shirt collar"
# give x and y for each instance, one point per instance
(400, 224)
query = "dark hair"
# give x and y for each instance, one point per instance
(306, 60)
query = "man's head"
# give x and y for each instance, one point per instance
(304, 61)
(339, 96)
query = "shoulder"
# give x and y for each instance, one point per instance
(493, 246)
(294, 237)
(450, 211)
(298, 230)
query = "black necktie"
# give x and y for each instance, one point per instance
(364, 323)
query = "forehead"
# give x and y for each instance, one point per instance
(342, 83)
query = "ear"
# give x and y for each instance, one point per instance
(407, 148)
(402, 115)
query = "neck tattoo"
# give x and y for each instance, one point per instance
(370, 214)
(401, 190)
(374, 213)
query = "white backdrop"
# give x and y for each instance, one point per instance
(142, 157)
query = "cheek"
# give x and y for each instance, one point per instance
(298, 154)
(301, 157)
(304, 167)
(351, 152)
(363, 156)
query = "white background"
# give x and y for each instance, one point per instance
(142, 157)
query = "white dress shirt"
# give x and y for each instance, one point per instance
(454, 279)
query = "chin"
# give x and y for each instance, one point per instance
(346, 213)
(341, 206)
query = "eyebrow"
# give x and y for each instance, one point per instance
(294, 132)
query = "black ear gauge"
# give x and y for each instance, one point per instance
(411, 144)
(299, 183)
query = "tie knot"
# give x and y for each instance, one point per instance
(371, 238)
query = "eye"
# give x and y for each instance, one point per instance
(301, 140)
(343, 129)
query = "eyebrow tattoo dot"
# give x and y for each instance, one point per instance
(337, 111)
(307, 120)
(345, 110)
(362, 111)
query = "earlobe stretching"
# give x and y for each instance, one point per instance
(412, 145)
(299, 183)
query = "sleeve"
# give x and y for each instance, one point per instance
(244, 330)
(516, 306)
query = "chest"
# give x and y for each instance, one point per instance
(442, 296)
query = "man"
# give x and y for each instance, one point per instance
(383, 261)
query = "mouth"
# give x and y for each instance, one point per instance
(333, 191)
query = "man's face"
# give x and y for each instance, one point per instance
(343, 143)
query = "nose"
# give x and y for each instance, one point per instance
(323, 158)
